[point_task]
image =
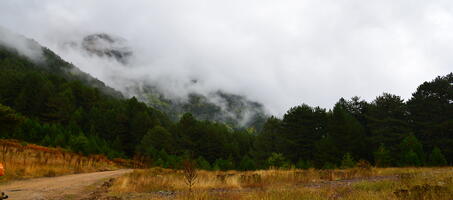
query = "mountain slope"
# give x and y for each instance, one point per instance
(217, 105)
(65, 107)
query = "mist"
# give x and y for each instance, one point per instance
(20, 44)
(281, 54)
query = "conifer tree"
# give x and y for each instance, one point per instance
(436, 158)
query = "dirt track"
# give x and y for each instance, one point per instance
(63, 187)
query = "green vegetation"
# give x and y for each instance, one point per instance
(52, 103)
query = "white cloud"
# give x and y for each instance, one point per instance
(281, 53)
(22, 45)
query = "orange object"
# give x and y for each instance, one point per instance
(2, 170)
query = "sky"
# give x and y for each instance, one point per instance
(280, 53)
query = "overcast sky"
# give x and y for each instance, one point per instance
(280, 53)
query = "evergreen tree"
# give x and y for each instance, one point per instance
(346, 132)
(9, 120)
(347, 162)
(431, 114)
(382, 157)
(156, 138)
(436, 158)
(203, 163)
(411, 152)
(302, 126)
(387, 121)
(302, 164)
(247, 164)
(277, 160)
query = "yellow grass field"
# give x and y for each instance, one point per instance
(22, 160)
(357, 183)
(364, 182)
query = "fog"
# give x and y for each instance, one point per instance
(279, 53)
(21, 45)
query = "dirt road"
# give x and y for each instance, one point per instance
(63, 187)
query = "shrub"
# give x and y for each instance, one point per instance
(347, 161)
(277, 160)
(382, 157)
(436, 158)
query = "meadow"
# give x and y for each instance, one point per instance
(22, 160)
(357, 183)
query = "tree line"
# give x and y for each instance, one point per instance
(46, 103)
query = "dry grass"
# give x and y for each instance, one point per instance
(27, 161)
(373, 183)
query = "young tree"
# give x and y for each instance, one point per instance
(247, 164)
(382, 157)
(157, 138)
(347, 162)
(302, 164)
(190, 173)
(203, 163)
(411, 152)
(277, 160)
(436, 158)
(9, 120)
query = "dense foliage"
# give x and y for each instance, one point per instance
(52, 103)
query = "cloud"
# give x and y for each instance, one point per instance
(22, 45)
(280, 53)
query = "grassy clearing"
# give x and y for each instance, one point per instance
(373, 183)
(23, 160)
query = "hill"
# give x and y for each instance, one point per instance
(45, 100)
(235, 110)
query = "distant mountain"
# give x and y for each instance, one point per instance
(235, 110)
(45, 59)
(106, 45)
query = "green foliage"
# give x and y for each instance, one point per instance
(410, 158)
(387, 122)
(156, 138)
(347, 162)
(302, 164)
(329, 165)
(431, 114)
(436, 158)
(54, 104)
(411, 152)
(223, 164)
(203, 163)
(302, 126)
(382, 157)
(277, 160)
(79, 143)
(247, 164)
(347, 134)
(9, 120)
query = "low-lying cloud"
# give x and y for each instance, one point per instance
(20, 44)
(279, 53)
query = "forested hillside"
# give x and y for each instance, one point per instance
(217, 105)
(52, 103)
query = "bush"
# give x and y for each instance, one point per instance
(301, 164)
(277, 160)
(222, 164)
(347, 161)
(247, 164)
(411, 152)
(203, 163)
(436, 158)
(382, 157)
